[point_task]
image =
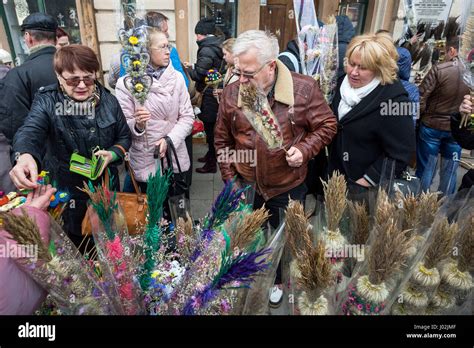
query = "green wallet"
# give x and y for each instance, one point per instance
(90, 168)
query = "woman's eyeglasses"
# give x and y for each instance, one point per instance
(75, 81)
(249, 76)
(162, 48)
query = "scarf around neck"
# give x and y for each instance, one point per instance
(350, 97)
(155, 73)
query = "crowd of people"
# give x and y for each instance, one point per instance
(353, 135)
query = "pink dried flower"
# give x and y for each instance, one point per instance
(126, 291)
(225, 306)
(114, 249)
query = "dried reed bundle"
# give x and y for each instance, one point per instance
(24, 231)
(315, 268)
(428, 207)
(335, 192)
(298, 228)
(359, 221)
(388, 252)
(247, 228)
(410, 212)
(452, 28)
(386, 209)
(466, 246)
(442, 244)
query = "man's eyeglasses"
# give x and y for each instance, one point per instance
(162, 48)
(249, 76)
(75, 81)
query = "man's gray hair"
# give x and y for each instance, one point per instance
(263, 43)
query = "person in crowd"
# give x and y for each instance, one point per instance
(345, 33)
(209, 56)
(19, 293)
(404, 71)
(20, 85)
(306, 122)
(441, 93)
(5, 63)
(229, 76)
(465, 138)
(291, 55)
(62, 38)
(370, 134)
(76, 115)
(167, 112)
(155, 20)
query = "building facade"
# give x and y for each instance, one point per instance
(96, 22)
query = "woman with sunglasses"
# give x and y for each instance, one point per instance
(167, 112)
(76, 115)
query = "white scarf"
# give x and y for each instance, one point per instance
(350, 97)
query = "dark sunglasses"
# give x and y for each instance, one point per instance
(75, 81)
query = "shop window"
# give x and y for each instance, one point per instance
(356, 11)
(225, 14)
(15, 11)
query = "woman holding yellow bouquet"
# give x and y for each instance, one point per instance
(166, 112)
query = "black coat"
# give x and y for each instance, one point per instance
(291, 48)
(465, 138)
(68, 133)
(209, 56)
(19, 87)
(367, 140)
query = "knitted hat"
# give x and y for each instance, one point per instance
(205, 26)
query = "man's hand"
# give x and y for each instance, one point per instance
(294, 157)
(40, 197)
(466, 106)
(163, 147)
(25, 174)
(363, 182)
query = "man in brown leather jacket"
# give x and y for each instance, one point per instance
(306, 122)
(441, 92)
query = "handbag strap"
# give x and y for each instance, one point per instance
(130, 170)
(170, 152)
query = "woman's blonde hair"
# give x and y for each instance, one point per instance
(377, 53)
(228, 44)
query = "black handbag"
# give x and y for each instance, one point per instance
(178, 183)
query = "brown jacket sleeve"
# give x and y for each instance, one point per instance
(427, 87)
(321, 125)
(223, 135)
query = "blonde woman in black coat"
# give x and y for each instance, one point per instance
(375, 125)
